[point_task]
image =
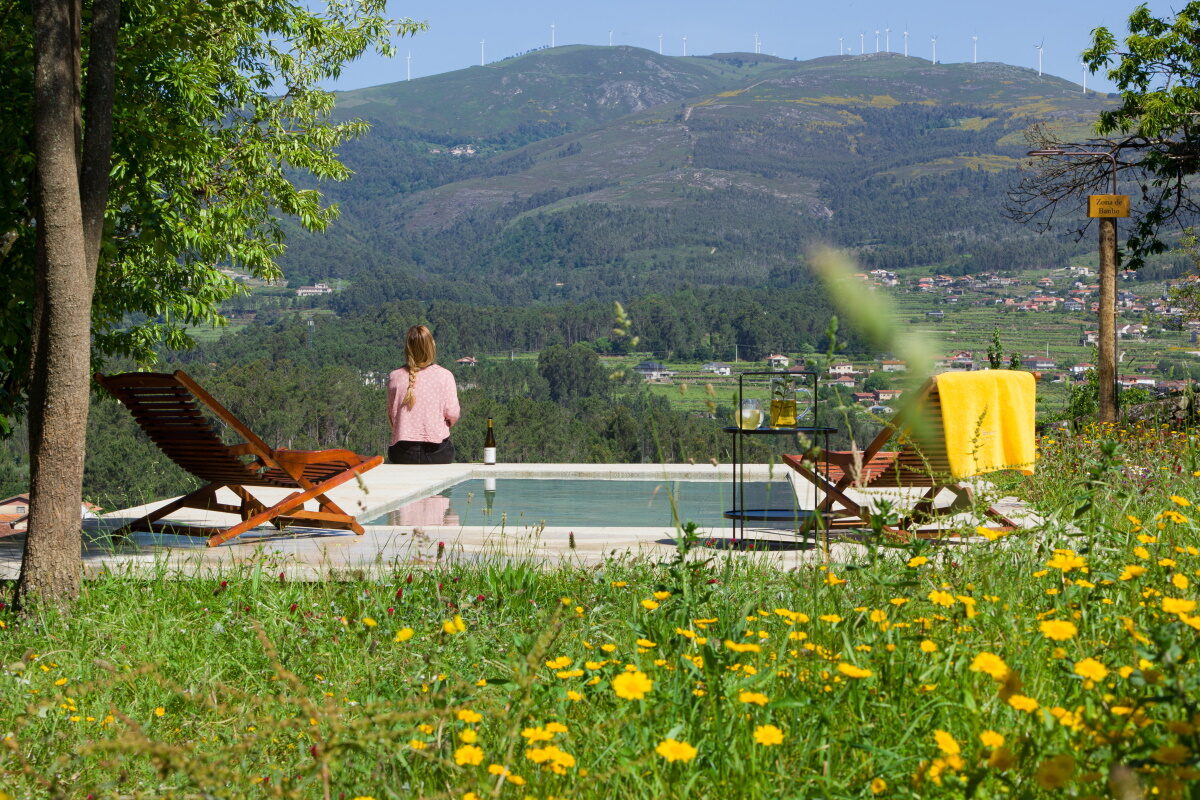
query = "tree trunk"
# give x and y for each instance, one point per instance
(96, 162)
(60, 383)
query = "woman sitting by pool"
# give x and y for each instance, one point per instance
(422, 404)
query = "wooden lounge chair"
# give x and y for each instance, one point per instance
(920, 462)
(169, 408)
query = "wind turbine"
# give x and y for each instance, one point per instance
(862, 48)
(887, 39)
(660, 37)
(906, 40)
(552, 26)
(876, 40)
(841, 50)
(1039, 49)
(610, 38)
(1085, 74)
(685, 44)
(408, 64)
(974, 49)
(481, 61)
(933, 39)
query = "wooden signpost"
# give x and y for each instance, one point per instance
(1107, 208)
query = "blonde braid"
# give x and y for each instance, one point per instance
(410, 396)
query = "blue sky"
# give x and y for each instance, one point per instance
(1008, 30)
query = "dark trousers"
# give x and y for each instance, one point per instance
(421, 452)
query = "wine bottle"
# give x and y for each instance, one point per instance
(489, 444)
(489, 495)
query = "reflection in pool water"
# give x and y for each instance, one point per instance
(584, 503)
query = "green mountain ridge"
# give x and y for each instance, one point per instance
(596, 172)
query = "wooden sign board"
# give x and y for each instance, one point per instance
(1108, 205)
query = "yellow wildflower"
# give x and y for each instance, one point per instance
(632, 685)
(468, 754)
(991, 739)
(1022, 703)
(1066, 560)
(673, 750)
(941, 598)
(1132, 571)
(851, 671)
(1091, 669)
(768, 735)
(1058, 629)
(946, 743)
(1178, 605)
(537, 734)
(991, 664)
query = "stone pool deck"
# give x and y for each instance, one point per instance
(412, 540)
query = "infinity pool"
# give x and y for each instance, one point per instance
(525, 502)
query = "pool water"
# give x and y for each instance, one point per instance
(584, 503)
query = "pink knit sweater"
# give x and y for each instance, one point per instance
(435, 406)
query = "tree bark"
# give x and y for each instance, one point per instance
(97, 133)
(50, 569)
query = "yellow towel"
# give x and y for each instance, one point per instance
(988, 420)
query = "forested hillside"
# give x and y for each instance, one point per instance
(599, 173)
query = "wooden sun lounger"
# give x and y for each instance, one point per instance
(921, 462)
(169, 408)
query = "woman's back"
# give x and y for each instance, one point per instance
(434, 407)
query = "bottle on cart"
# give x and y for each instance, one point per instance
(489, 444)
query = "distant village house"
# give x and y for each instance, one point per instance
(653, 371)
(315, 289)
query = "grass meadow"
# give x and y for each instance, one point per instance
(1059, 662)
